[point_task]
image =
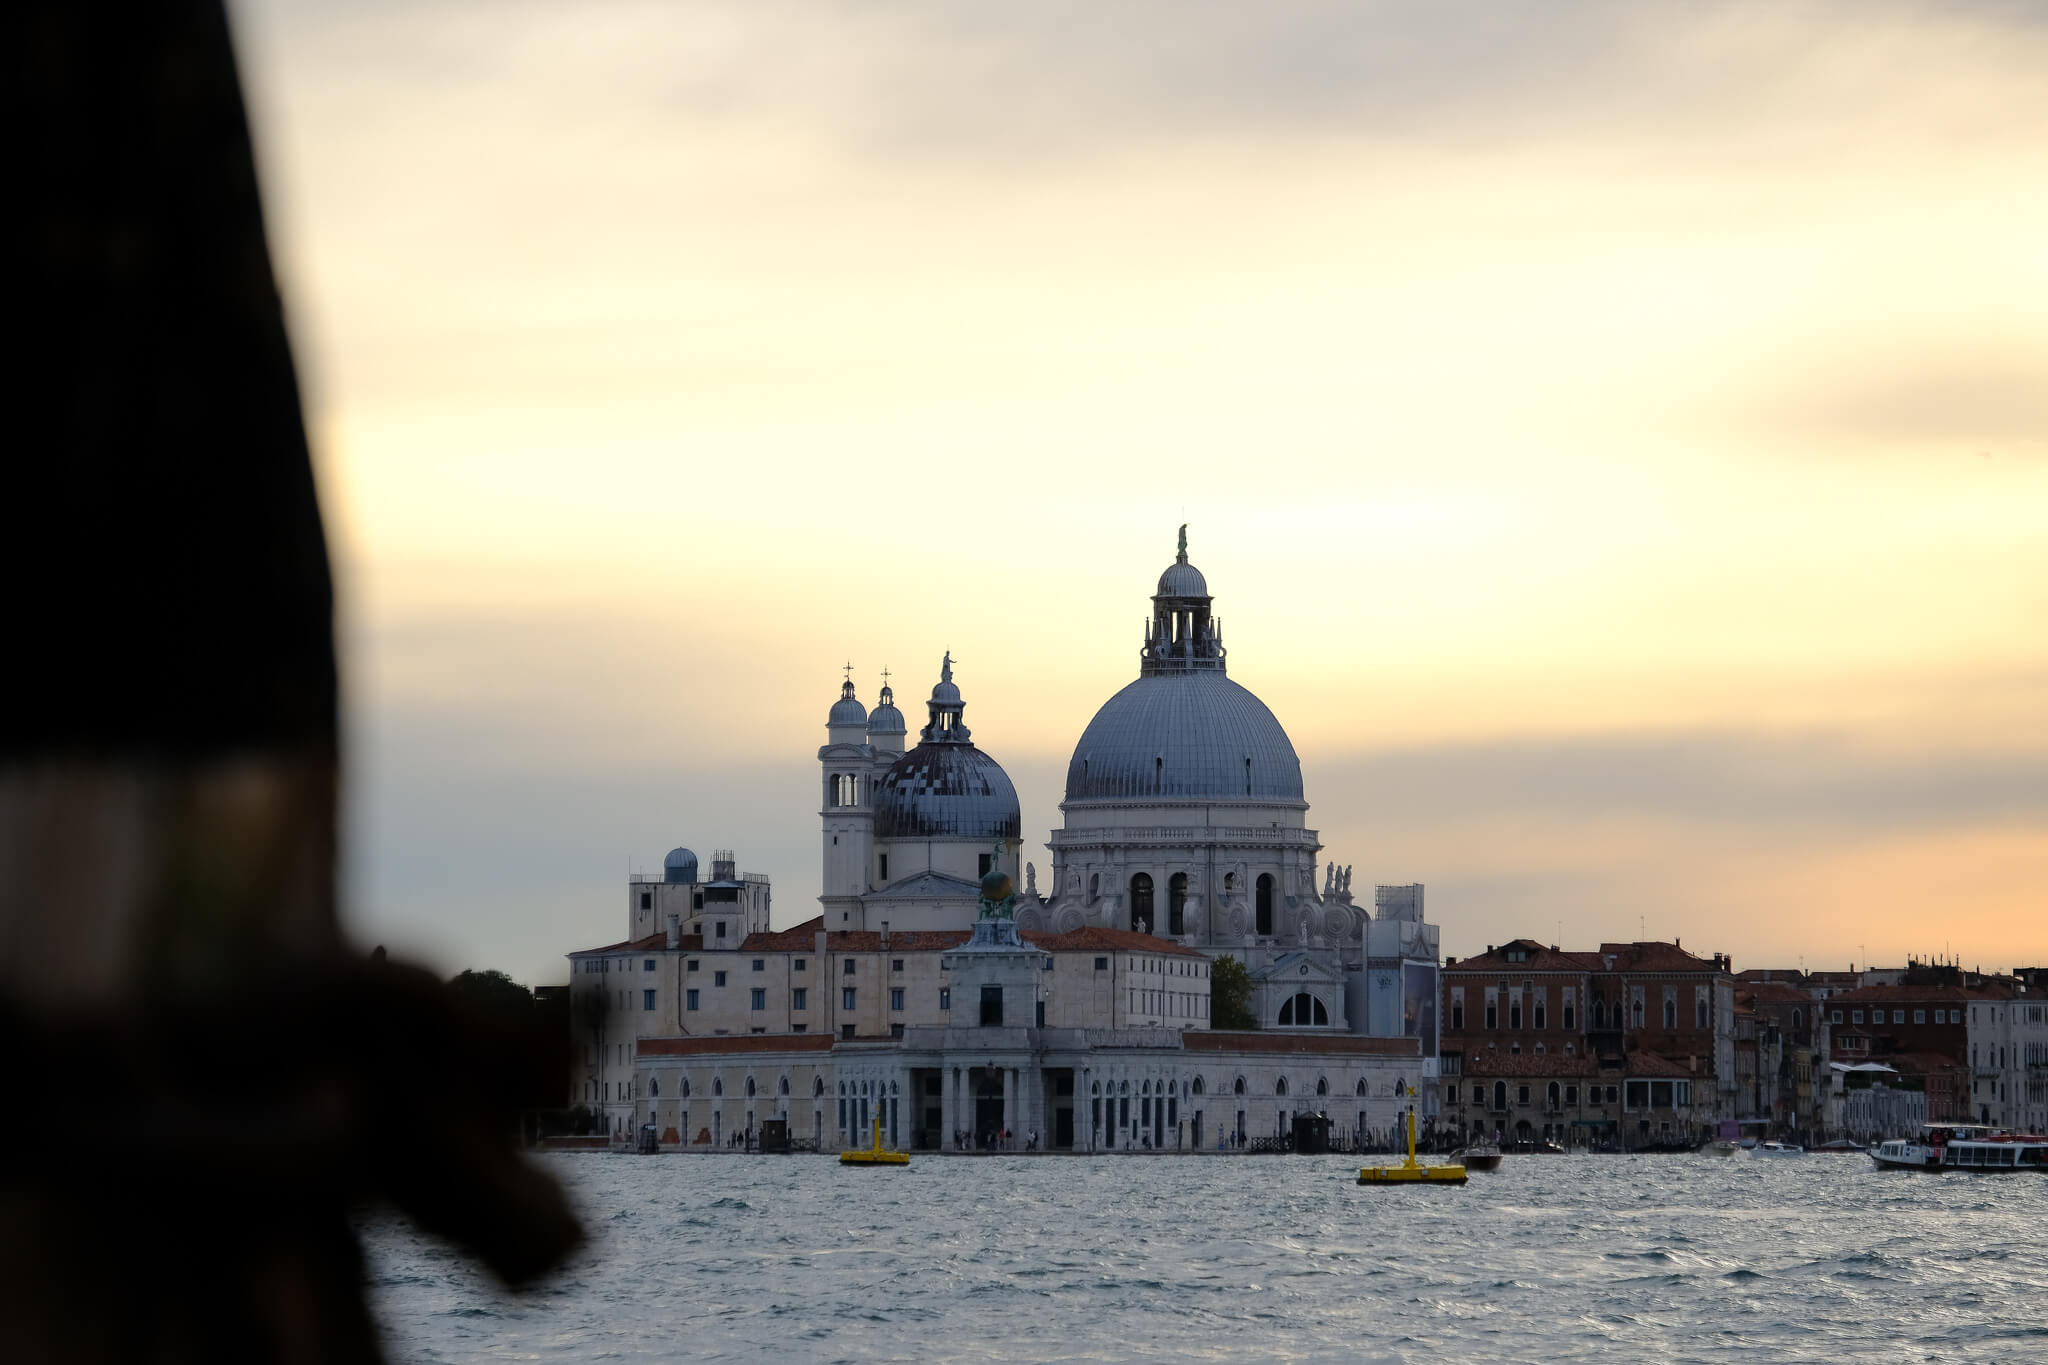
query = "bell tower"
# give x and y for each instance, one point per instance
(846, 809)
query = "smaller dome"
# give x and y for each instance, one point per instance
(885, 719)
(847, 710)
(946, 692)
(1182, 579)
(679, 866)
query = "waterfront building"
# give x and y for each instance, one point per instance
(1632, 1044)
(2008, 1042)
(1184, 838)
(1781, 1054)
(1921, 1030)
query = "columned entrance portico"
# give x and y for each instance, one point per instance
(988, 1105)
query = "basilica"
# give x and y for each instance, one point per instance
(946, 991)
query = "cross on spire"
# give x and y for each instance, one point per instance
(885, 675)
(849, 670)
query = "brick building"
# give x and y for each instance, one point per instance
(1632, 1044)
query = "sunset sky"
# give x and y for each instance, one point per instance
(1616, 436)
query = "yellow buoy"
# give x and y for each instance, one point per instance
(877, 1155)
(1411, 1171)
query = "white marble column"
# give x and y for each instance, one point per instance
(1010, 1098)
(947, 1118)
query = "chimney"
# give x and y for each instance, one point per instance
(675, 931)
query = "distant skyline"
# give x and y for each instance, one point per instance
(1615, 435)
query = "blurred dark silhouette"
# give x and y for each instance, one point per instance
(207, 1083)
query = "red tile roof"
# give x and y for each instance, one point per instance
(804, 938)
(1086, 940)
(1907, 995)
(1654, 957)
(1540, 959)
(1650, 1064)
(1096, 940)
(1628, 957)
(652, 943)
(1312, 1044)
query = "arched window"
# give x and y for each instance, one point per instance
(1145, 1089)
(1094, 885)
(1304, 1010)
(686, 1087)
(1636, 1008)
(1551, 1096)
(1670, 1014)
(718, 1085)
(1176, 904)
(1123, 1087)
(1280, 1086)
(817, 1087)
(782, 1086)
(1798, 1020)
(1322, 1085)
(1263, 920)
(1095, 1089)
(1361, 1087)
(1197, 1085)
(1141, 902)
(750, 1087)
(1500, 1094)
(1239, 1087)
(1599, 1012)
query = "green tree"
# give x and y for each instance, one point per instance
(496, 995)
(1230, 995)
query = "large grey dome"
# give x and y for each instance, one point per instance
(1182, 736)
(946, 790)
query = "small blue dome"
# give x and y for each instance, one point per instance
(847, 710)
(679, 866)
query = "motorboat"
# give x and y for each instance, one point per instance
(1840, 1145)
(1777, 1149)
(1724, 1148)
(1484, 1157)
(1963, 1147)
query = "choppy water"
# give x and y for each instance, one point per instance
(1670, 1258)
